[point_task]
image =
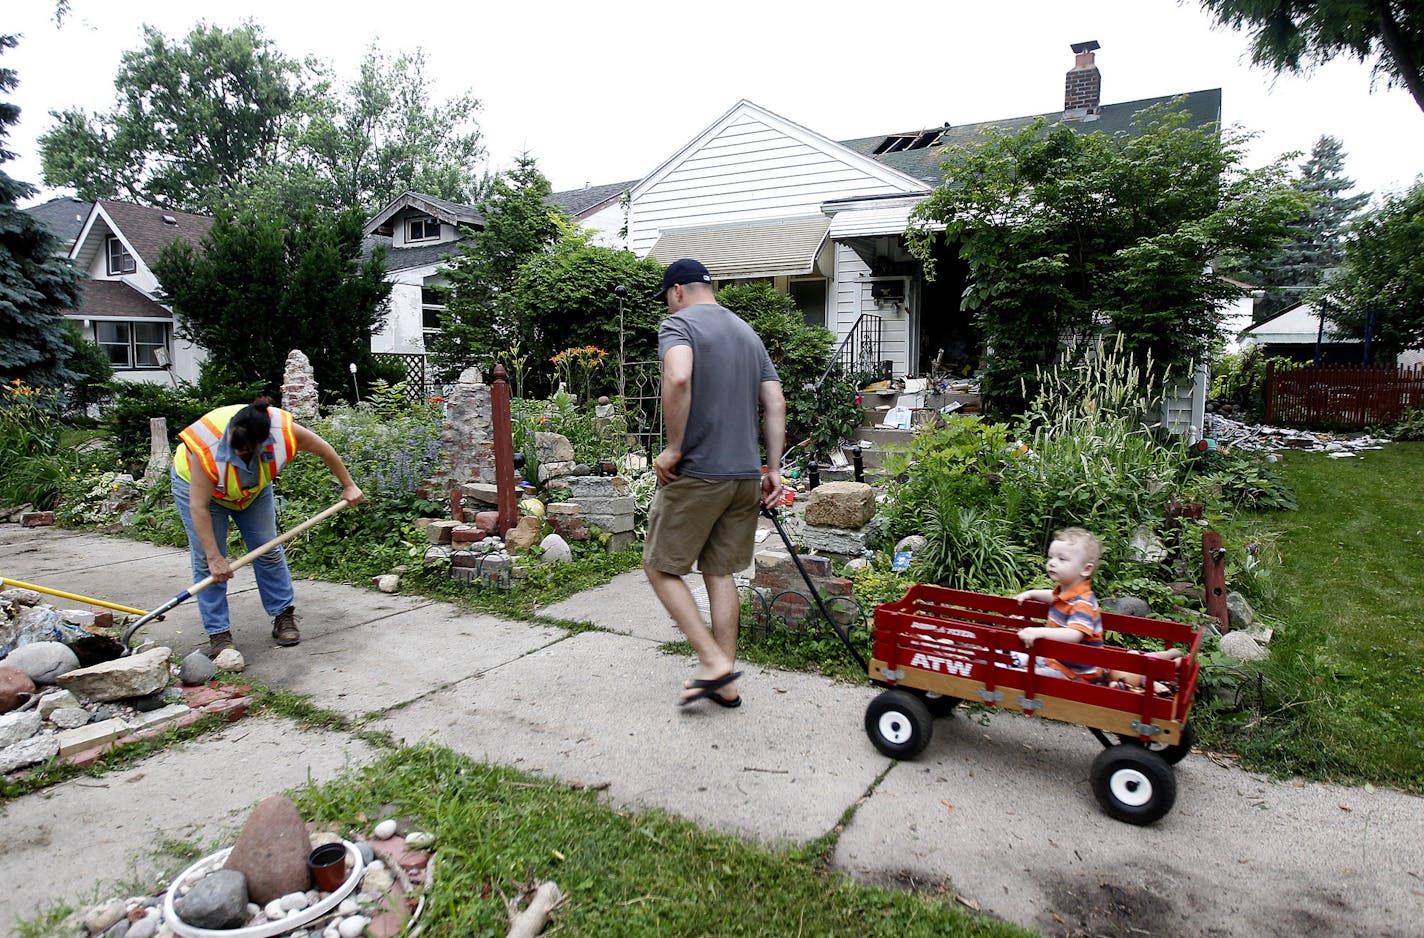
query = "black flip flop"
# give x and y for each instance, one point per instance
(709, 687)
(721, 701)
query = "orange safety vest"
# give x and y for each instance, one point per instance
(199, 443)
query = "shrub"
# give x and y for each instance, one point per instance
(1409, 428)
(33, 463)
(389, 455)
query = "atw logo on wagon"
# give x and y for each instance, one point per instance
(954, 666)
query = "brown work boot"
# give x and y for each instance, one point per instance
(218, 642)
(284, 627)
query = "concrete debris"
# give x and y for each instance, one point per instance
(1228, 432)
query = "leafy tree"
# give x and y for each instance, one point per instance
(194, 121)
(566, 298)
(36, 284)
(92, 370)
(1293, 35)
(480, 320)
(262, 286)
(1068, 234)
(1379, 288)
(1316, 241)
(364, 144)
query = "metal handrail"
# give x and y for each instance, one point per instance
(860, 345)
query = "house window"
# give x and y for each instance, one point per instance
(810, 298)
(423, 229)
(431, 306)
(120, 260)
(132, 345)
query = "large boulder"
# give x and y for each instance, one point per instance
(844, 505)
(272, 851)
(133, 676)
(44, 662)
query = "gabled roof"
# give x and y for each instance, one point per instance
(450, 212)
(881, 172)
(115, 299)
(424, 255)
(63, 217)
(923, 161)
(149, 230)
(1297, 323)
(577, 201)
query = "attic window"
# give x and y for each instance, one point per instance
(423, 228)
(897, 142)
(120, 260)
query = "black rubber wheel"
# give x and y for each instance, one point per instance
(899, 724)
(1134, 784)
(940, 705)
(1172, 752)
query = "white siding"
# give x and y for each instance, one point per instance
(850, 298)
(747, 170)
(403, 330)
(606, 224)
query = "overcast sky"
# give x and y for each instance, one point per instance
(602, 93)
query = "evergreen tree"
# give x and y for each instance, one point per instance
(262, 286)
(36, 283)
(1315, 242)
(480, 320)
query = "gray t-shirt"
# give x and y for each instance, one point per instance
(729, 364)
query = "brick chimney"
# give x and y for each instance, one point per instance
(1083, 88)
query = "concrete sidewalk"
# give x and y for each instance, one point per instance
(999, 809)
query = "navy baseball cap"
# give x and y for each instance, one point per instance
(686, 270)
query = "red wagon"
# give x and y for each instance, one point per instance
(936, 647)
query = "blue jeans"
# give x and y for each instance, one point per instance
(258, 524)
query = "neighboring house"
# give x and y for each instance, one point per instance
(421, 232)
(758, 197)
(63, 216)
(1297, 333)
(118, 308)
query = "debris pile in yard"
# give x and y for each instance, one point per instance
(1228, 432)
(69, 693)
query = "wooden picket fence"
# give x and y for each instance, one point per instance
(1341, 396)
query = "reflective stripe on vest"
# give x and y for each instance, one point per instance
(200, 440)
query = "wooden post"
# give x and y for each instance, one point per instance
(1214, 578)
(503, 430)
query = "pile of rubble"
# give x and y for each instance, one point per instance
(69, 693)
(1234, 433)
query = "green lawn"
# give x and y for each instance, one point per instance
(1344, 686)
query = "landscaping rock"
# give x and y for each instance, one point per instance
(100, 917)
(197, 669)
(34, 623)
(69, 718)
(522, 536)
(218, 900)
(272, 852)
(845, 505)
(230, 659)
(17, 727)
(553, 448)
(16, 688)
(134, 676)
(836, 541)
(55, 700)
(43, 661)
(556, 549)
(1127, 606)
(1145, 546)
(37, 748)
(389, 583)
(914, 543)
(1239, 611)
(1242, 647)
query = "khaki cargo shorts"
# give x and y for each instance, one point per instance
(709, 522)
